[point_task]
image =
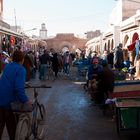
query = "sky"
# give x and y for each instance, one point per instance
(60, 16)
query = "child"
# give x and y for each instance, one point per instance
(131, 72)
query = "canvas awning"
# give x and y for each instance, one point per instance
(131, 47)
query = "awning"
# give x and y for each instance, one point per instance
(131, 47)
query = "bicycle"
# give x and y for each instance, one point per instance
(31, 124)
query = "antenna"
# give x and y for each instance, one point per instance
(15, 20)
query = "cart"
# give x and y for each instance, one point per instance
(128, 115)
(126, 88)
(127, 106)
(82, 67)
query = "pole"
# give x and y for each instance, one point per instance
(15, 20)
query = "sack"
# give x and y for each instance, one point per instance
(21, 107)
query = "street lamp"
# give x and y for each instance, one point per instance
(30, 30)
(24, 31)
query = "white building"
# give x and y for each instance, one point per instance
(1, 9)
(43, 32)
(121, 20)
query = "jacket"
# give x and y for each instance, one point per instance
(12, 85)
(98, 72)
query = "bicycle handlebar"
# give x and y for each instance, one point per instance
(37, 86)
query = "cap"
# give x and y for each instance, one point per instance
(5, 53)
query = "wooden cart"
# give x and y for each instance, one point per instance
(128, 115)
(126, 89)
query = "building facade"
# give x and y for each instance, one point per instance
(124, 28)
(1, 9)
(122, 21)
(66, 41)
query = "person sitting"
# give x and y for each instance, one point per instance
(132, 71)
(95, 73)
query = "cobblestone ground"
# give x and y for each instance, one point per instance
(70, 113)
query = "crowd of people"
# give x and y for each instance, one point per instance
(41, 61)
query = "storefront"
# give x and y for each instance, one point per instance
(9, 39)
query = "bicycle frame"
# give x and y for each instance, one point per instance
(31, 123)
(36, 106)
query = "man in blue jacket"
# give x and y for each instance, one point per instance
(12, 84)
(95, 81)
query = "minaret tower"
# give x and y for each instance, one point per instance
(43, 31)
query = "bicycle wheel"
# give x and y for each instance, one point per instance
(41, 130)
(38, 121)
(22, 129)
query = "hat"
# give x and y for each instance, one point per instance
(5, 53)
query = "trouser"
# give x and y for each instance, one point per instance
(67, 68)
(43, 71)
(7, 118)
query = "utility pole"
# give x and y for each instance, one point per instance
(15, 20)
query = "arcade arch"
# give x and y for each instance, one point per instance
(133, 53)
(66, 46)
(125, 50)
(129, 46)
(112, 46)
(135, 37)
(108, 45)
(105, 47)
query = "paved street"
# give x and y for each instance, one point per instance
(70, 115)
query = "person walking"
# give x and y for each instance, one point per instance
(44, 60)
(55, 64)
(27, 64)
(118, 57)
(67, 61)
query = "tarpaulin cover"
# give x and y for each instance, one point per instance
(131, 46)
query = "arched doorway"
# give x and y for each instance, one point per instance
(135, 37)
(108, 48)
(105, 48)
(126, 41)
(133, 53)
(125, 50)
(66, 46)
(112, 46)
